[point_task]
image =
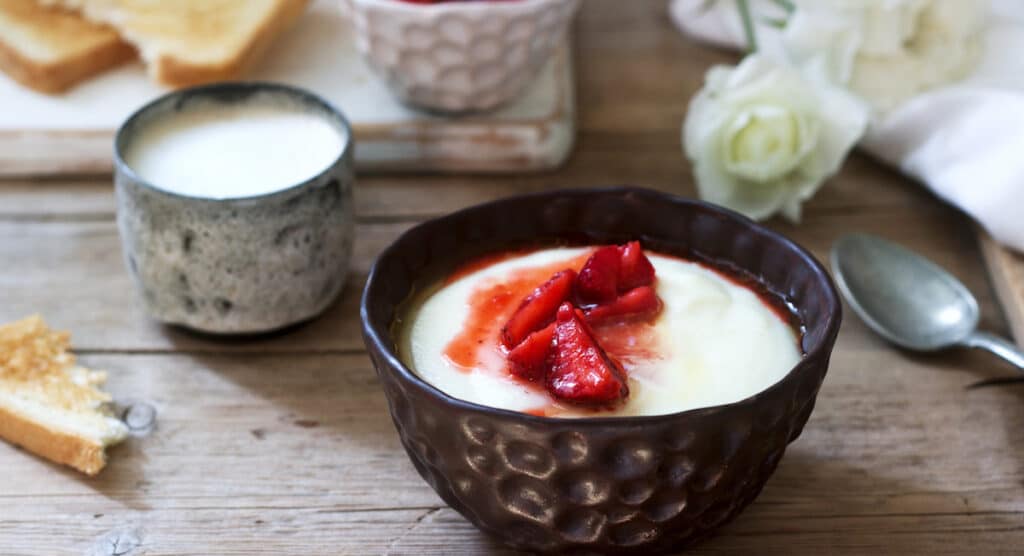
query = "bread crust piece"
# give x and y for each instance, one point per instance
(182, 73)
(166, 63)
(60, 447)
(61, 74)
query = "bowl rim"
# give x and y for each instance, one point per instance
(376, 334)
(123, 136)
(445, 8)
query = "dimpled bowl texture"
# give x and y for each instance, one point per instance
(237, 265)
(626, 485)
(459, 56)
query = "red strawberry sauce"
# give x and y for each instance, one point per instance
(630, 342)
(491, 307)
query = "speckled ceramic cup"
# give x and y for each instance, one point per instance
(240, 265)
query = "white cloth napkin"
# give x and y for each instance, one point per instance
(965, 141)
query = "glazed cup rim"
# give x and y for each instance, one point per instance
(377, 335)
(304, 96)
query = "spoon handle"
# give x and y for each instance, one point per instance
(999, 346)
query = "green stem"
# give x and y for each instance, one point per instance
(748, 24)
(787, 5)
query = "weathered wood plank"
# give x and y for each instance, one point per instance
(294, 452)
(1006, 268)
(898, 458)
(72, 273)
(241, 431)
(758, 532)
(652, 160)
(126, 531)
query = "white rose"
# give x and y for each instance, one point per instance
(889, 50)
(763, 137)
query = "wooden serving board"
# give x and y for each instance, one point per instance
(73, 133)
(1006, 269)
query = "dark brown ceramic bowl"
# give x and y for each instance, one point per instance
(637, 485)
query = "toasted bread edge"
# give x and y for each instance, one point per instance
(181, 73)
(53, 78)
(60, 447)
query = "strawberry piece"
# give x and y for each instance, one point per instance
(635, 269)
(529, 359)
(538, 309)
(581, 372)
(640, 302)
(598, 279)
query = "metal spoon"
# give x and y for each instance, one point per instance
(909, 300)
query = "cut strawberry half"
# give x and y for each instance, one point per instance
(538, 309)
(635, 269)
(529, 359)
(581, 372)
(637, 303)
(598, 280)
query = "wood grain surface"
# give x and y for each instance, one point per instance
(1007, 270)
(284, 445)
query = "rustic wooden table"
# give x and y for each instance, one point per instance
(284, 445)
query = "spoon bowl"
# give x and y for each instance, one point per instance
(909, 300)
(901, 295)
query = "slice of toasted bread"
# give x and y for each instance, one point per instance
(186, 42)
(49, 405)
(50, 49)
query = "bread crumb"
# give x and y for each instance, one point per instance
(36, 362)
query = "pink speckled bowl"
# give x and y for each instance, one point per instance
(459, 56)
